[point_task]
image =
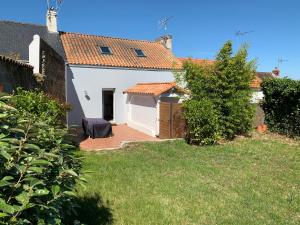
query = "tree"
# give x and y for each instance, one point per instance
(226, 85)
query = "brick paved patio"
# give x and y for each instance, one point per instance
(121, 134)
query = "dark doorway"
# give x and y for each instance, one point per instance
(108, 104)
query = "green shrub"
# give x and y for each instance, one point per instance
(38, 169)
(39, 105)
(226, 84)
(231, 91)
(202, 122)
(282, 106)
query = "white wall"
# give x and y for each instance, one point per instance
(94, 79)
(257, 97)
(34, 53)
(142, 113)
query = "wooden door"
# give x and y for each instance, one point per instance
(172, 123)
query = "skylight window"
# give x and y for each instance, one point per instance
(139, 53)
(105, 50)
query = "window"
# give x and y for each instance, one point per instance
(139, 53)
(105, 50)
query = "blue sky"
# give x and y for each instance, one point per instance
(199, 27)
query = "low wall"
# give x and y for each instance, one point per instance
(14, 74)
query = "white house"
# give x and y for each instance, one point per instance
(97, 74)
(100, 69)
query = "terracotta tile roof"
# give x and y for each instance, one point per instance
(15, 62)
(198, 61)
(255, 83)
(260, 76)
(155, 89)
(85, 50)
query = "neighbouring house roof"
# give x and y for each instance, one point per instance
(260, 76)
(155, 89)
(256, 83)
(83, 49)
(15, 38)
(198, 61)
(15, 62)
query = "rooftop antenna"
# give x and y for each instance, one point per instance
(54, 4)
(163, 24)
(241, 33)
(281, 61)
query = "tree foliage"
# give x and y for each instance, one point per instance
(226, 85)
(282, 105)
(38, 170)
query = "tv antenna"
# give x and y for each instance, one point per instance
(54, 4)
(163, 24)
(281, 61)
(241, 33)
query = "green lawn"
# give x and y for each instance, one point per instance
(244, 182)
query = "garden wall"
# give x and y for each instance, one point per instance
(15, 74)
(52, 66)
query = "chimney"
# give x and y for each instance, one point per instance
(52, 20)
(276, 72)
(166, 40)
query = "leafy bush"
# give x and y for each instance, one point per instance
(282, 106)
(38, 105)
(226, 84)
(38, 169)
(202, 122)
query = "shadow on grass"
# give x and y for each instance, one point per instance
(91, 210)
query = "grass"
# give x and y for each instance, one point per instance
(243, 182)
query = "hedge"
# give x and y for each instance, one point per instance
(282, 105)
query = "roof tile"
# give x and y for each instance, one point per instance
(155, 89)
(15, 62)
(84, 49)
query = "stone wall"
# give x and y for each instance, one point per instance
(14, 74)
(52, 66)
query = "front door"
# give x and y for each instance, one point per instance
(108, 104)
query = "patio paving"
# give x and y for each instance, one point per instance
(121, 134)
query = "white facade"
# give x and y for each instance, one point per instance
(86, 83)
(143, 113)
(257, 97)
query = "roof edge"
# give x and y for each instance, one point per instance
(153, 83)
(22, 23)
(104, 36)
(123, 67)
(10, 60)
